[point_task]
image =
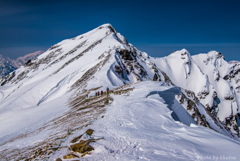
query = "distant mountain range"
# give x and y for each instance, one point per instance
(7, 65)
(233, 62)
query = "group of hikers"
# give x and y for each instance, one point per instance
(101, 93)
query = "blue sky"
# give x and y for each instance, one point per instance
(156, 27)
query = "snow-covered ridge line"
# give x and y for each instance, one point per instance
(179, 101)
(130, 58)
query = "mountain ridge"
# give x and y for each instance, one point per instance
(57, 92)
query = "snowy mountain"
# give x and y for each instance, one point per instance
(7, 65)
(233, 62)
(179, 107)
(22, 60)
(203, 80)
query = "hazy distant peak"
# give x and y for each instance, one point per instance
(21, 60)
(233, 62)
(7, 65)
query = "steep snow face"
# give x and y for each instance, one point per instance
(184, 73)
(217, 70)
(205, 75)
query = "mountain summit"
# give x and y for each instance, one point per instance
(169, 108)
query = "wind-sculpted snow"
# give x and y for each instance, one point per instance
(179, 113)
(217, 70)
(203, 75)
(179, 107)
(60, 88)
(112, 76)
(183, 72)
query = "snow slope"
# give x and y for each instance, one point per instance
(180, 115)
(69, 66)
(145, 130)
(203, 75)
(216, 68)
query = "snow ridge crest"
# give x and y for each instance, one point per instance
(203, 88)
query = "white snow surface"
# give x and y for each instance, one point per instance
(139, 126)
(145, 130)
(215, 67)
(201, 74)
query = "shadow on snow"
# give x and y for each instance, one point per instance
(179, 113)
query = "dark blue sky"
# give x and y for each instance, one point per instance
(156, 27)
